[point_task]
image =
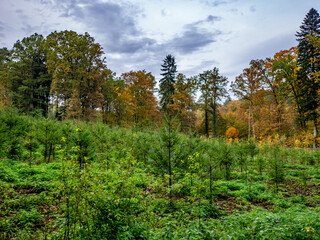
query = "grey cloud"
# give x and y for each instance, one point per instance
(164, 13)
(22, 15)
(269, 47)
(132, 46)
(252, 9)
(209, 19)
(69, 8)
(115, 20)
(195, 37)
(150, 61)
(211, 63)
(28, 29)
(218, 2)
(116, 27)
(46, 1)
(203, 66)
(192, 40)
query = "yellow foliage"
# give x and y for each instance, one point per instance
(303, 140)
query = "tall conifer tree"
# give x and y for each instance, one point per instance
(169, 69)
(308, 86)
(213, 88)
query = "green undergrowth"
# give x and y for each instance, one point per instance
(69, 180)
(104, 201)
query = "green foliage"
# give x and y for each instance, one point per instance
(308, 85)
(122, 189)
(29, 81)
(169, 69)
(76, 64)
(82, 151)
(213, 88)
(276, 167)
(242, 155)
(226, 159)
(12, 130)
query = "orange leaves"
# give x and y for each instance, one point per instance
(138, 95)
(232, 133)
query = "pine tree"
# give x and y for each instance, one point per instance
(169, 69)
(308, 86)
(212, 86)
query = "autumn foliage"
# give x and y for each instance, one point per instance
(232, 133)
(65, 75)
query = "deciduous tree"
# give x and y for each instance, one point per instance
(283, 68)
(140, 86)
(246, 86)
(76, 62)
(183, 101)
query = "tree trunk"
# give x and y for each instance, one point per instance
(206, 123)
(214, 118)
(46, 143)
(253, 129)
(279, 119)
(249, 123)
(50, 152)
(210, 180)
(315, 131)
(301, 119)
(169, 158)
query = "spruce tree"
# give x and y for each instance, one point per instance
(169, 69)
(308, 86)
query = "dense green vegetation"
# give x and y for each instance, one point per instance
(77, 180)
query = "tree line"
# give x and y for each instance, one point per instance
(65, 75)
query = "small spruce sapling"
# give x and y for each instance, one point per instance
(276, 168)
(169, 140)
(226, 159)
(83, 150)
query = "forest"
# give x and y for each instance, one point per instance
(87, 154)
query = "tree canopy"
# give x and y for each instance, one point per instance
(65, 75)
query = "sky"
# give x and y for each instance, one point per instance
(138, 34)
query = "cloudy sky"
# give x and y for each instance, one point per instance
(138, 34)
